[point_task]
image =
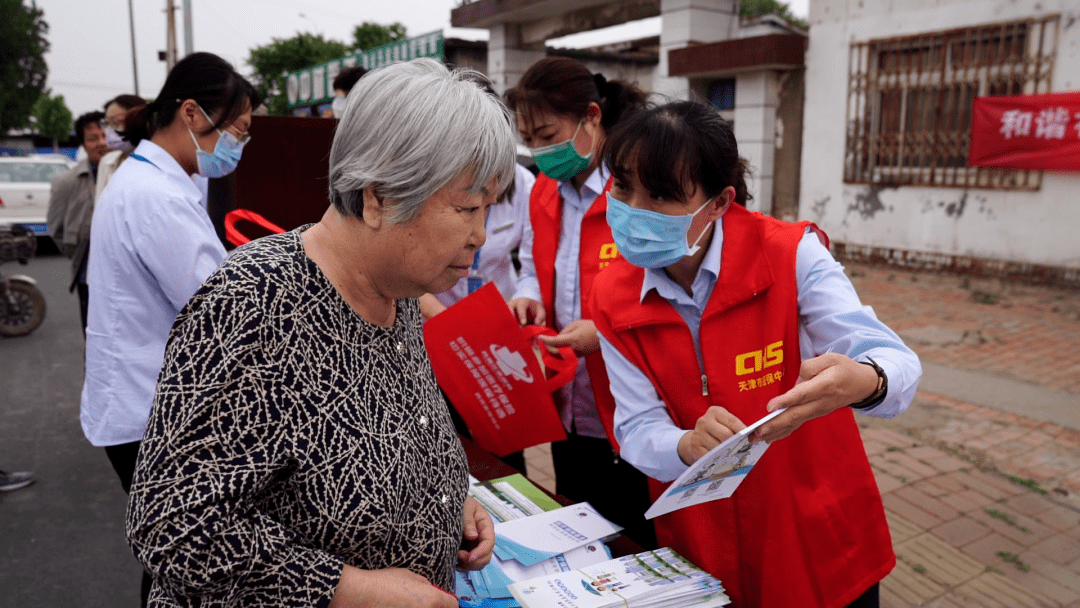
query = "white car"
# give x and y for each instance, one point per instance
(24, 188)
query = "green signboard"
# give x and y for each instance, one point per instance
(314, 85)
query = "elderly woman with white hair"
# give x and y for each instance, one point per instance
(299, 452)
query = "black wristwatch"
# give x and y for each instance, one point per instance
(883, 387)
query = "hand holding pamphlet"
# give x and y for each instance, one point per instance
(716, 474)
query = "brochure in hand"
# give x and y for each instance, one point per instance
(652, 579)
(716, 474)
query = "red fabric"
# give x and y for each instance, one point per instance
(597, 252)
(485, 362)
(235, 236)
(1026, 132)
(807, 527)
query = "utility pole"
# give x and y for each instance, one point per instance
(134, 65)
(170, 35)
(189, 39)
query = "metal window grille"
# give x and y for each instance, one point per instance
(909, 101)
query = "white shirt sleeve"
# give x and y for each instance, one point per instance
(833, 319)
(648, 437)
(527, 286)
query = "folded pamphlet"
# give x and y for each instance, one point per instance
(533, 539)
(511, 497)
(715, 475)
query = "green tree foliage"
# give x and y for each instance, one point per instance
(369, 35)
(753, 8)
(53, 118)
(273, 62)
(22, 61)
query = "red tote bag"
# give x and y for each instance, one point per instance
(491, 369)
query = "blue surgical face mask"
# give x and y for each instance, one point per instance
(226, 155)
(561, 161)
(648, 239)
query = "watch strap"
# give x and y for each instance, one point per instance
(877, 396)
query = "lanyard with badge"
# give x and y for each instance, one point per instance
(475, 280)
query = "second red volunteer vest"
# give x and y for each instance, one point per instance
(596, 253)
(807, 527)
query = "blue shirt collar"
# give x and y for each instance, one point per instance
(591, 189)
(656, 278)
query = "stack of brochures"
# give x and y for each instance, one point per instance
(535, 536)
(652, 579)
(547, 555)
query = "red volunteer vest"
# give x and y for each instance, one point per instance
(597, 252)
(807, 527)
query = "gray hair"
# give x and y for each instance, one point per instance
(409, 129)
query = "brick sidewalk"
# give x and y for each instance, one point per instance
(1022, 332)
(966, 534)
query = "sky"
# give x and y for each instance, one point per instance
(90, 59)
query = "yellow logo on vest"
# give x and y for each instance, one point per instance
(755, 361)
(608, 252)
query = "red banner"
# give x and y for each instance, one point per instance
(1026, 132)
(490, 368)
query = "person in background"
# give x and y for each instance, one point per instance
(71, 204)
(152, 244)
(343, 83)
(563, 114)
(116, 110)
(299, 452)
(761, 313)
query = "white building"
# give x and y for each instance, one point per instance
(887, 125)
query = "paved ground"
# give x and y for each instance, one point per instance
(983, 501)
(61, 539)
(981, 477)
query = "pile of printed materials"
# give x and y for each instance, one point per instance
(547, 555)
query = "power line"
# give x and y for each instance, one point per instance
(86, 85)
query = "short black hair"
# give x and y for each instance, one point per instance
(676, 145)
(347, 78)
(90, 118)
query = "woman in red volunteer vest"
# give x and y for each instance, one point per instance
(563, 114)
(716, 316)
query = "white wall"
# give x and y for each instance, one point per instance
(1040, 227)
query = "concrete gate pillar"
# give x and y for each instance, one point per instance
(688, 22)
(508, 56)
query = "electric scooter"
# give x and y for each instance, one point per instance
(22, 305)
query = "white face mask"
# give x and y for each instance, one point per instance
(116, 141)
(338, 106)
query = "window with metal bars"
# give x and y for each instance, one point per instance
(909, 101)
